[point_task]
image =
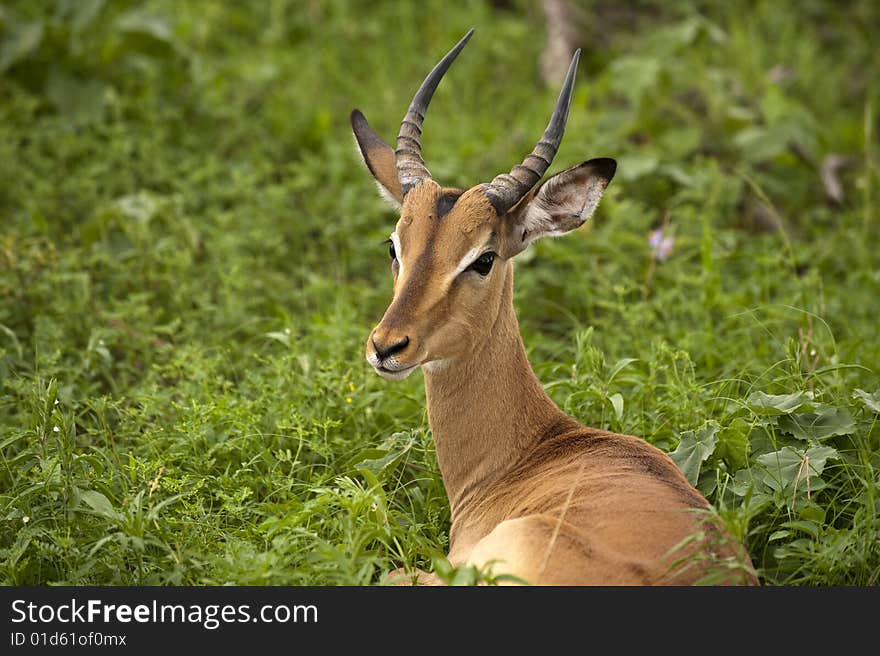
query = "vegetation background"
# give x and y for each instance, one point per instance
(191, 259)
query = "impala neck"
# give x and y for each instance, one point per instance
(487, 408)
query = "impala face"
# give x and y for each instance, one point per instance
(448, 279)
(451, 249)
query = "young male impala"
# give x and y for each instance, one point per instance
(533, 493)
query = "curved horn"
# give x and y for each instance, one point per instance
(410, 166)
(507, 189)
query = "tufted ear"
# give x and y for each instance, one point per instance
(379, 158)
(560, 204)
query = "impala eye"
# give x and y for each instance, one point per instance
(483, 264)
(391, 253)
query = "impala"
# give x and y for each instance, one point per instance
(532, 492)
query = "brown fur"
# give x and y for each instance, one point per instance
(532, 492)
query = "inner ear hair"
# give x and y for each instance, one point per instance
(561, 203)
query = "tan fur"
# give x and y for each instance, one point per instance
(533, 493)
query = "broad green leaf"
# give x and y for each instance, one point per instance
(13, 338)
(708, 482)
(19, 41)
(819, 456)
(871, 401)
(818, 425)
(778, 535)
(394, 448)
(617, 404)
(733, 444)
(783, 467)
(80, 101)
(639, 164)
(99, 504)
(762, 143)
(778, 404)
(139, 21)
(680, 142)
(619, 366)
(377, 465)
(694, 449)
(466, 575)
(100, 543)
(12, 439)
(788, 465)
(634, 75)
(764, 438)
(795, 548)
(813, 512)
(80, 13)
(744, 481)
(806, 526)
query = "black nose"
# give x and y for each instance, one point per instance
(387, 351)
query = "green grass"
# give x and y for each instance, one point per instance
(191, 260)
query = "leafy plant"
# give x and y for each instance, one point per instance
(190, 261)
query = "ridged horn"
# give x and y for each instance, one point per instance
(507, 189)
(410, 167)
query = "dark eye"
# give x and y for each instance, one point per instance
(483, 264)
(391, 252)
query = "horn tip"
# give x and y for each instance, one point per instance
(575, 58)
(463, 40)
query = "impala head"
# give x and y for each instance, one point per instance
(451, 250)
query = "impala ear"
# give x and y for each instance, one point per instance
(560, 204)
(379, 158)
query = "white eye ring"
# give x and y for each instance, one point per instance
(469, 258)
(395, 246)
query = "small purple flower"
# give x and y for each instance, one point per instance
(661, 246)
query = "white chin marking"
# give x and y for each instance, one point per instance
(396, 375)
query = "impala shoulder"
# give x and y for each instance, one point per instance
(615, 452)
